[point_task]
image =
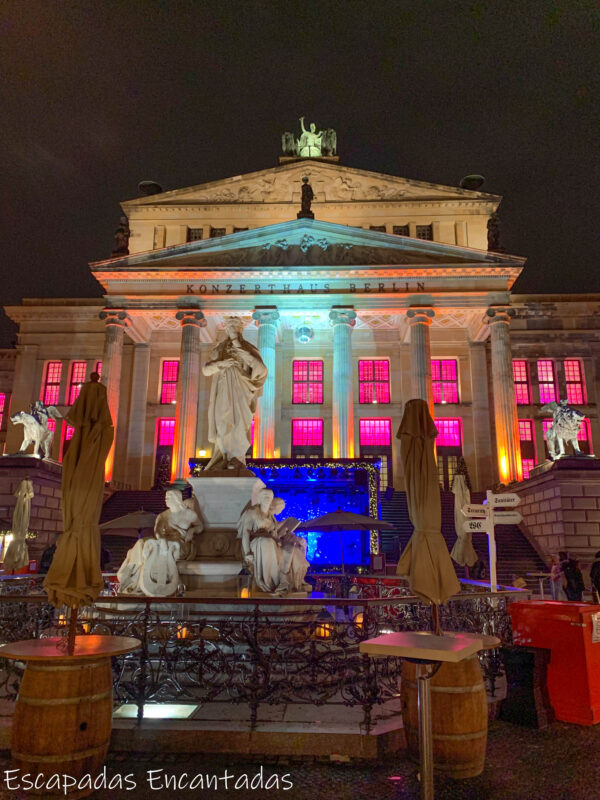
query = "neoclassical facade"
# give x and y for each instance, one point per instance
(388, 293)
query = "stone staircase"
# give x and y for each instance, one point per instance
(515, 555)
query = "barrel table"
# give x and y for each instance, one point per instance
(429, 654)
(63, 715)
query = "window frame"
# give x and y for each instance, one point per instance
(580, 383)
(546, 383)
(441, 382)
(47, 384)
(308, 383)
(170, 384)
(75, 384)
(374, 383)
(520, 383)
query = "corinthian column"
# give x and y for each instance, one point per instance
(116, 320)
(266, 319)
(342, 412)
(505, 408)
(188, 386)
(419, 320)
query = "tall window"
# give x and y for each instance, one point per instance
(165, 432)
(307, 382)
(373, 381)
(51, 388)
(168, 388)
(215, 232)
(425, 232)
(401, 230)
(2, 408)
(375, 439)
(521, 381)
(307, 438)
(99, 368)
(444, 377)
(194, 234)
(527, 439)
(78, 370)
(449, 449)
(165, 436)
(547, 381)
(575, 383)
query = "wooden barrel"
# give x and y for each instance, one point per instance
(459, 717)
(62, 719)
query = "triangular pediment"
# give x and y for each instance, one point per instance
(331, 183)
(308, 243)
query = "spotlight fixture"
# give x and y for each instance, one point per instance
(304, 333)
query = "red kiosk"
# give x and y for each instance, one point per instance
(571, 632)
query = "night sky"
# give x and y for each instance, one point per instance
(96, 96)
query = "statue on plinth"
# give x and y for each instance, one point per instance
(179, 523)
(273, 554)
(238, 376)
(566, 422)
(311, 144)
(36, 427)
(122, 235)
(307, 198)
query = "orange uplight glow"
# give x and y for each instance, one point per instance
(504, 476)
(108, 465)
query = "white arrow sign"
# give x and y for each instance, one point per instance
(503, 500)
(475, 510)
(508, 518)
(476, 525)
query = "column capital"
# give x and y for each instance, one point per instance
(115, 316)
(342, 315)
(499, 314)
(265, 315)
(420, 316)
(190, 316)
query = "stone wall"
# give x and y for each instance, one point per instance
(560, 504)
(46, 514)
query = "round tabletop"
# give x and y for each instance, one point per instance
(55, 649)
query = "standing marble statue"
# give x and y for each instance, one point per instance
(238, 376)
(309, 143)
(275, 556)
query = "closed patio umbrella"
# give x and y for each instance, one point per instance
(74, 578)
(425, 560)
(17, 554)
(138, 520)
(463, 551)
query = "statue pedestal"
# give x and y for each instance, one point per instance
(222, 499)
(305, 215)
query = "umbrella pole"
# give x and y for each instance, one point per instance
(72, 631)
(435, 619)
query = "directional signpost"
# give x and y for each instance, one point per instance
(483, 517)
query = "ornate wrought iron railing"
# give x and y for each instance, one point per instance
(255, 652)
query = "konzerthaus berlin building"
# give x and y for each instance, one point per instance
(389, 293)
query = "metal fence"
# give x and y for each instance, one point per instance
(256, 652)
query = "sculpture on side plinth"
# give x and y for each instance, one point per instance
(307, 197)
(122, 235)
(238, 376)
(274, 555)
(179, 523)
(36, 429)
(566, 422)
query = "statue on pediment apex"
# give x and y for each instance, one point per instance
(311, 144)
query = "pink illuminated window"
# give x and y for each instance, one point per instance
(168, 389)
(375, 432)
(374, 381)
(583, 434)
(574, 381)
(444, 377)
(252, 432)
(52, 425)
(307, 432)
(51, 387)
(78, 370)
(2, 407)
(547, 381)
(527, 464)
(521, 381)
(165, 432)
(99, 368)
(526, 430)
(307, 382)
(448, 433)
(69, 431)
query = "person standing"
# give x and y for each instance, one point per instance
(574, 585)
(556, 580)
(595, 577)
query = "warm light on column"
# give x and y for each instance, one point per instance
(342, 319)
(508, 445)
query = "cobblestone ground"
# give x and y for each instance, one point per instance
(560, 763)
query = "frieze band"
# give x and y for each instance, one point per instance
(311, 288)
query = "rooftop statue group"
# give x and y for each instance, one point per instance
(311, 144)
(273, 554)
